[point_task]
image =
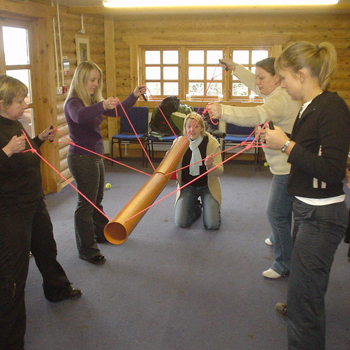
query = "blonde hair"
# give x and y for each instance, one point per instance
(79, 81)
(198, 119)
(10, 88)
(321, 60)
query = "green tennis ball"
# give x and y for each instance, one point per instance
(108, 186)
(266, 164)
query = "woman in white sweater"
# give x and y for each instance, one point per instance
(282, 110)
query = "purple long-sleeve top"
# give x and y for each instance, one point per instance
(84, 123)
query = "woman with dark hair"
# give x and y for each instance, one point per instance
(281, 110)
(317, 150)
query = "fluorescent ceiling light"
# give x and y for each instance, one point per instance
(204, 3)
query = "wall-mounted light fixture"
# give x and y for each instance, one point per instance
(201, 3)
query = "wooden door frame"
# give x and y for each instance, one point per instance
(43, 78)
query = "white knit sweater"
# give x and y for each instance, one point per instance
(278, 107)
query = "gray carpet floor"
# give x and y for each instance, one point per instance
(168, 288)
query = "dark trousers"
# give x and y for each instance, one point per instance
(319, 230)
(15, 228)
(43, 246)
(89, 174)
(24, 228)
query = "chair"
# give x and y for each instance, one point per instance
(236, 135)
(138, 117)
(151, 140)
(157, 138)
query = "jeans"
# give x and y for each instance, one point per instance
(279, 215)
(188, 210)
(319, 230)
(89, 174)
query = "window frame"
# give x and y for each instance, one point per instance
(248, 66)
(27, 25)
(183, 65)
(161, 48)
(206, 80)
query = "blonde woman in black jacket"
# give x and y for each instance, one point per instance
(317, 150)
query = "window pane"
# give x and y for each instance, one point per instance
(196, 73)
(258, 55)
(196, 57)
(214, 73)
(213, 56)
(170, 73)
(170, 57)
(152, 73)
(240, 56)
(16, 46)
(154, 88)
(239, 89)
(214, 89)
(152, 57)
(171, 89)
(196, 88)
(24, 76)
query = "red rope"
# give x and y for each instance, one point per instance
(180, 188)
(33, 150)
(247, 147)
(256, 144)
(127, 117)
(69, 142)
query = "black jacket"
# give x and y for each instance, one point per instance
(318, 159)
(20, 177)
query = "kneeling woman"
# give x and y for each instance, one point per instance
(202, 155)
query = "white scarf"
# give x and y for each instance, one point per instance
(196, 156)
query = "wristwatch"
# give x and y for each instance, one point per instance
(283, 149)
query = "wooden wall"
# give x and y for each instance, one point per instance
(236, 29)
(110, 36)
(70, 25)
(240, 28)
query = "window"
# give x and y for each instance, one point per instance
(247, 58)
(16, 61)
(194, 71)
(204, 73)
(162, 71)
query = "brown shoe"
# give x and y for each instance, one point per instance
(281, 309)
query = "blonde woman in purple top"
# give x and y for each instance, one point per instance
(84, 109)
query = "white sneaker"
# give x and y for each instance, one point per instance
(271, 274)
(268, 241)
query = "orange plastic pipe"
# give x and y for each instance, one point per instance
(120, 227)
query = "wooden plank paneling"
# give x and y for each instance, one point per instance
(70, 25)
(112, 36)
(281, 28)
